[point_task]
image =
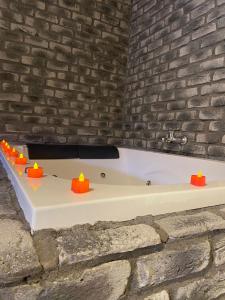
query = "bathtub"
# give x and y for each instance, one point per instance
(138, 183)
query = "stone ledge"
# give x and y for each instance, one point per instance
(208, 288)
(179, 226)
(82, 244)
(107, 281)
(163, 295)
(18, 258)
(218, 245)
(172, 263)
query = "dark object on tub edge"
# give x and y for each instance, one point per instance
(43, 151)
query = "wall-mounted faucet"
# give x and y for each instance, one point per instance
(170, 138)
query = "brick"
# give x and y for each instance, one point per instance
(20, 258)
(163, 295)
(199, 79)
(203, 9)
(216, 13)
(216, 126)
(193, 126)
(202, 288)
(211, 114)
(204, 31)
(213, 88)
(218, 101)
(213, 38)
(217, 151)
(201, 55)
(186, 225)
(78, 249)
(172, 263)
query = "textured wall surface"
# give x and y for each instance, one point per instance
(62, 68)
(169, 257)
(176, 75)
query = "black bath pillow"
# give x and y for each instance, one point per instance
(43, 151)
(97, 152)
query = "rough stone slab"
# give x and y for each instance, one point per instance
(107, 281)
(172, 263)
(18, 257)
(46, 247)
(184, 225)
(6, 210)
(219, 249)
(82, 245)
(203, 289)
(163, 295)
(23, 292)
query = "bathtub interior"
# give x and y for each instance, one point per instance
(137, 167)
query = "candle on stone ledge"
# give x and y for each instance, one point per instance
(198, 180)
(80, 185)
(35, 171)
(21, 160)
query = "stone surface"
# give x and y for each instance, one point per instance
(179, 226)
(168, 264)
(46, 247)
(107, 281)
(219, 249)
(159, 296)
(212, 287)
(82, 245)
(18, 258)
(23, 292)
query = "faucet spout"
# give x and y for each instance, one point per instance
(170, 138)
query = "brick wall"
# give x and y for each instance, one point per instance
(62, 69)
(176, 76)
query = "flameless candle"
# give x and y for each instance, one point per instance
(198, 180)
(3, 143)
(21, 160)
(80, 185)
(8, 149)
(14, 153)
(35, 172)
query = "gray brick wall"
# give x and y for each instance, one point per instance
(176, 76)
(62, 70)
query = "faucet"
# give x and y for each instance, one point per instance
(170, 138)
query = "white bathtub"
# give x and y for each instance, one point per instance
(121, 195)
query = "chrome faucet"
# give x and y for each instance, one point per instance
(170, 138)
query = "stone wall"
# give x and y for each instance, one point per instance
(169, 257)
(176, 76)
(62, 69)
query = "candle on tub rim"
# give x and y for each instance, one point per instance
(21, 160)
(80, 184)
(14, 152)
(199, 179)
(35, 171)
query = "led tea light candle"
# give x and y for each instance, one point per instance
(2, 143)
(198, 180)
(8, 149)
(35, 172)
(80, 185)
(21, 160)
(14, 153)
